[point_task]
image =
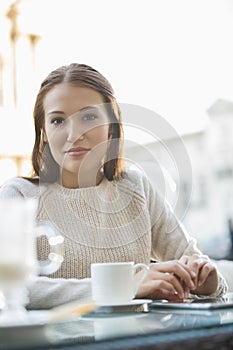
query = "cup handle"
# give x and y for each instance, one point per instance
(143, 277)
(55, 240)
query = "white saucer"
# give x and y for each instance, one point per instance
(133, 302)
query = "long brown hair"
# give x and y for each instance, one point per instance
(43, 162)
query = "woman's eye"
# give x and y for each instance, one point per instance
(89, 117)
(57, 121)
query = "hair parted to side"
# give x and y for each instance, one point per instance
(43, 162)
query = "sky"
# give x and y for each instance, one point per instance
(171, 56)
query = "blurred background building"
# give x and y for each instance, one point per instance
(208, 214)
(173, 57)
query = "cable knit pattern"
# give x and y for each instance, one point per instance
(115, 221)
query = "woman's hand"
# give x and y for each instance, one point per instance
(171, 280)
(206, 280)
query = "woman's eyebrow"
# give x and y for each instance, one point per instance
(56, 112)
(97, 107)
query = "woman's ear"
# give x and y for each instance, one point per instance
(44, 136)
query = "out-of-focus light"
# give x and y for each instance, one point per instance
(8, 169)
(16, 137)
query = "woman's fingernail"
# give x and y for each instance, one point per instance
(192, 285)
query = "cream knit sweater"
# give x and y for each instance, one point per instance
(122, 220)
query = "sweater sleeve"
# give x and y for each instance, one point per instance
(46, 292)
(170, 240)
(19, 187)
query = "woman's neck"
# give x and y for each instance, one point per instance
(72, 182)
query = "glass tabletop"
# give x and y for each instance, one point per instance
(110, 324)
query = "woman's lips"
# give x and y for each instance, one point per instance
(77, 152)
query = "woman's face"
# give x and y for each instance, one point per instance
(76, 129)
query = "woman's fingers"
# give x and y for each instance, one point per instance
(162, 283)
(158, 289)
(201, 265)
(194, 265)
(205, 271)
(174, 280)
(181, 271)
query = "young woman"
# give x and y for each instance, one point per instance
(104, 212)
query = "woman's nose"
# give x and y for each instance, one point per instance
(74, 131)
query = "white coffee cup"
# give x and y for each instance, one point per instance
(114, 283)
